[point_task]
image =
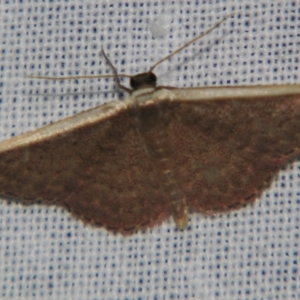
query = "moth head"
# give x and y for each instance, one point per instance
(142, 80)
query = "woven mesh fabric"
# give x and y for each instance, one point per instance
(44, 252)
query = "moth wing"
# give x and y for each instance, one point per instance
(228, 151)
(94, 163)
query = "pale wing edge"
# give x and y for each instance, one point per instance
(100, 113)
(234, 92)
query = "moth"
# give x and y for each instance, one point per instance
(163, 151)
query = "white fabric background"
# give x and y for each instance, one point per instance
(45, 253)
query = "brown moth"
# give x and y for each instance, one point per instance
(129, 165)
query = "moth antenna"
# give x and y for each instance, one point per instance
(190, 42)
(77, 77)
(114, 75)
(114, 70)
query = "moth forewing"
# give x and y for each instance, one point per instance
(129, 165)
